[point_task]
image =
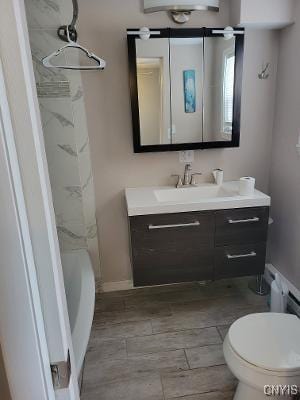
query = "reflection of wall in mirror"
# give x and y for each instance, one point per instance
(150, 101)
(186, 54)
(216, 52)
(159, 133)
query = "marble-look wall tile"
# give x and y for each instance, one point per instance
(72, 236)
(43, 42)
(57, 120)
(85, 169)
(93, 248)
(68, 206)
(65, 132)
(77, 97)
(43, 13)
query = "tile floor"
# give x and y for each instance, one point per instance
(165, 343)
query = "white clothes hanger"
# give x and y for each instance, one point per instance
(71, 44)
(69, 35)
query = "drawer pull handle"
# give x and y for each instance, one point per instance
(232, 257)
(243, 221)
(197, 223)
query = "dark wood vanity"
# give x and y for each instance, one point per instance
(198, 246)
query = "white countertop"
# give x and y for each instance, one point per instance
(144, 201)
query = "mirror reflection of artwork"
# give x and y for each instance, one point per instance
(189, 91)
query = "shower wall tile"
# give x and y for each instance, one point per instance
(58, 123)
(43, 13)
(93, 249)
(81, 131)
(72, 236)
(68, 205)
(43, 42)
(65, 132)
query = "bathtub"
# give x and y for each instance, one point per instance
(80, 292)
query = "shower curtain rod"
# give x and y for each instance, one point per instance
(62, 30)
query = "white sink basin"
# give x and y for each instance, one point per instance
(191, 194)
(166, 200)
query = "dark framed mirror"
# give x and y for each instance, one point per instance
(185, 87)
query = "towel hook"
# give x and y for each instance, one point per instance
(264, 74)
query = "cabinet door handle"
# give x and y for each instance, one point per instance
(232, 257)
(197, 223)
(243, 221)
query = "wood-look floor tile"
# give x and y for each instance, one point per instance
(215, 304)
(141, 338)
(209, 396)
(134, 315)
(205, 318)
(223, 329)
(144, 388)
(124, 330)
(197, 381)
(173, 341)
(133, 366)
(205, 356)
(99, 350)
(109, 304)
(162, 298)
(219, 289)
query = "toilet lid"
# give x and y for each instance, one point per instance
(270, 341)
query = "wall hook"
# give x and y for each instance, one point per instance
(264, 74)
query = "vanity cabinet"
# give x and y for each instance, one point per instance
(198, 246)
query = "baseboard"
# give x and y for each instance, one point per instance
(294, 303)
(116, 286)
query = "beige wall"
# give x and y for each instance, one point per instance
(267, 11)
(285, 176)
(4, 389)
(102, 26)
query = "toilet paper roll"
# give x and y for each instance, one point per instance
(247, 186)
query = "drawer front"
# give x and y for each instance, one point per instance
(241, 226)
(156, 267)
(239, 260)
(166, 231)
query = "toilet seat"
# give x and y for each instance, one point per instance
(268, 341)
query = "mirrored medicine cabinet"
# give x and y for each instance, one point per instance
(185, 89)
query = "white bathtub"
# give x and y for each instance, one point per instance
(80, 291)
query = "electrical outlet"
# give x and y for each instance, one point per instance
(186, 156)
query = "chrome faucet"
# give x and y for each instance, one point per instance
(188, 179)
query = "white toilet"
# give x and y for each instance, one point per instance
(263, 349)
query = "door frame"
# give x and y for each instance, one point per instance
(23, 153)
(18, 281)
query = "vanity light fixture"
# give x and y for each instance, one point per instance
(180, 10)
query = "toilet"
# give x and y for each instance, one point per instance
(263, 350)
